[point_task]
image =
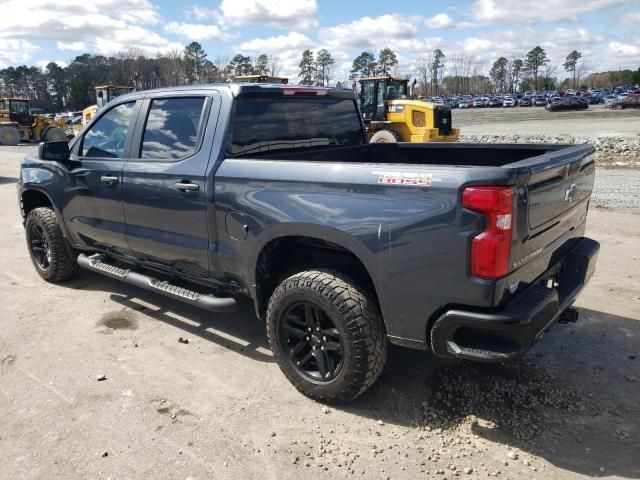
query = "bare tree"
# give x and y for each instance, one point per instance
(275, 65)
(424, 69)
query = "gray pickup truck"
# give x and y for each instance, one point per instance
(204, 194)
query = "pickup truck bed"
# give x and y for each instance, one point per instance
(471, 251)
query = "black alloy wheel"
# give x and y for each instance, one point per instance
(39, 246)
(312, 342)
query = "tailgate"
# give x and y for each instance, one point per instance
(552, 208)
(559, 183)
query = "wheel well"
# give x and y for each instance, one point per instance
(33, 199)
(286, 256)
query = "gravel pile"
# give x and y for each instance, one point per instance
(515, 398)
(610, 151)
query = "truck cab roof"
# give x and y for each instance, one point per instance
(238, 89)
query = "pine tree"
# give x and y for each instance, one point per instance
(386, 61)
(307, 68)
(194, 60)
(570, 64)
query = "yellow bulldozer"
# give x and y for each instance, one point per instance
(17, 124)
(390, 115)
(104, 94)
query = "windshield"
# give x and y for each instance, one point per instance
(19, 106)
(269, 124)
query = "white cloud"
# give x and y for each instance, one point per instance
(631, 19)
(201, 13)
(510, 11)
(291, 41)
(73, 46)
(273, 13)
(373, 33)
(197, 32)
(441, 20)
(620, 49)
(105, 26)
(16, 51)
(144, 40)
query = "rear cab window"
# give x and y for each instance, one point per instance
(267, 124)
(173, 128)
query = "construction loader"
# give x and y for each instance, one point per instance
(17, 124)
(391, 115)
(104, 94)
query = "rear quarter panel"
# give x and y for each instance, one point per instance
(412, 239)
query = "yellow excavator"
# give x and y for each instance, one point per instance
(17, 124)
(390, 115)
(104, 94)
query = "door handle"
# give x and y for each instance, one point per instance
(187, 187)
(109, 180)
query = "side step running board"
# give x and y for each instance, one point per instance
(206, 301)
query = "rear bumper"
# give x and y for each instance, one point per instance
(509, 332)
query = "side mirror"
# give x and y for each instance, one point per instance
(54, 151)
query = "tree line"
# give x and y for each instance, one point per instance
(57, 88)
(71, 87)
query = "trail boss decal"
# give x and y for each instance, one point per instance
(404, 178)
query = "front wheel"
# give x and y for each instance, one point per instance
(385, 136)
(54, 134)
(50, 253)
(327, 335)
(9, 136)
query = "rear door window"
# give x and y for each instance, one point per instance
(173, 128)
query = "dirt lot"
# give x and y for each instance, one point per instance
(218, 406)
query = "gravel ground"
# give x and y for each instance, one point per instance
(95, 383)
(611, 151)
(595, 122)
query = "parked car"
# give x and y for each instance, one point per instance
(464, 104)
(495, 102)
(632, 101)
(539, 101)
(208, 193)
(572, 103)
(525, 102)
(477, 103)
(609, 99)
(509, 101)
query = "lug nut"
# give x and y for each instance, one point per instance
(322, 348)
(308, 329)
(324, 339)
(314, 348)
(317, 329)
(306, 338)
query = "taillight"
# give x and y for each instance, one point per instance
(490, 251)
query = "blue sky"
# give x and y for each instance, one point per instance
(607, 32)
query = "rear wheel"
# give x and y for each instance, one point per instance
(618, 107)
(54, 134)
(9, 136)
(50, 253)
(385, 136)
(326, 335)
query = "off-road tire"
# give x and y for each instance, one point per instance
(9, 136)
(384, 136)
(63, 265)
(355, 314)
(54, 134)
